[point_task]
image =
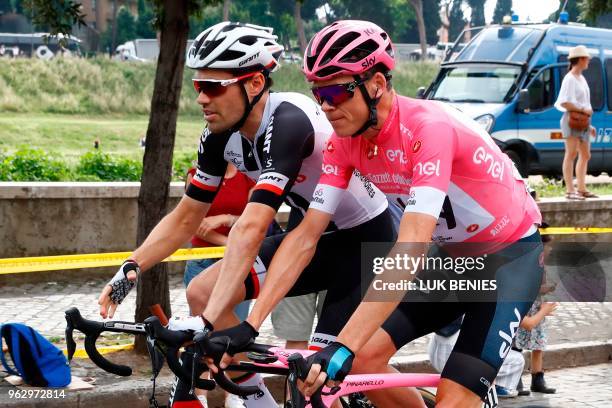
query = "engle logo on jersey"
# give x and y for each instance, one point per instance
(329, 169)
(428, 168)
(393, 154)
(495, 169)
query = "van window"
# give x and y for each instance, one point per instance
(594, 77)
(541, 90)
(609, 81)
(476, 83)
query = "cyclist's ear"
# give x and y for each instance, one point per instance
(255, 84)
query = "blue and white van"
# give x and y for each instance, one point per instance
(507, 78)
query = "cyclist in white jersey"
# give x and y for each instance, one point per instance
(276, 139)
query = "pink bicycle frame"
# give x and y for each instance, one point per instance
(356, 382)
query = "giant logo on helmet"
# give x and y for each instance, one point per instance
(251, 58)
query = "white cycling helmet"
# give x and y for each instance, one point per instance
(235, 47)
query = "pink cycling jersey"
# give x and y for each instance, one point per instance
(431, 159)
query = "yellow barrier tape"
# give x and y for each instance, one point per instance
(62, 262)
(574, 230)
(81, 353)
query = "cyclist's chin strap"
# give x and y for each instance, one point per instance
(248, 105)
(372, 103)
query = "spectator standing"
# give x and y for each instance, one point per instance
(574, 101)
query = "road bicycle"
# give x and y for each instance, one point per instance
(163, 343)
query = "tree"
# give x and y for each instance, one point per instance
(226, 9)
(502, 8)
(431, 16)
(418, 8)
(144, 22)
(173, 23)
(592, 10)
(299, 24)
(456, 20)
(477, 18)
(126, 26)
(572, 9)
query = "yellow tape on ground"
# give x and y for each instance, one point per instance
(62, 262)
(574, 230)
(80, 353)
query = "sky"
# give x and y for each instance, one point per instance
(534, 10)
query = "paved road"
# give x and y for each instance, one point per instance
(41, 305)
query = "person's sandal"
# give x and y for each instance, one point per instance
(587, 194)
(574, 196)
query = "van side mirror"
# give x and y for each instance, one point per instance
(523, 101)
(420, 93)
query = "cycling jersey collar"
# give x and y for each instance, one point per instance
(387, 128)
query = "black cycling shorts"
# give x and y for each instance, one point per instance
(488, 326)
(335, 267)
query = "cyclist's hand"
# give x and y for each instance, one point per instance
(549, 308)
(225, 343)
(332, 363)
(212, 223)
(118, 288)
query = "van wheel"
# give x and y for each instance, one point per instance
(518, 162)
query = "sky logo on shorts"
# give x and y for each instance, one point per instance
(504, 349)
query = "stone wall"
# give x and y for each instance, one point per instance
(76, 218)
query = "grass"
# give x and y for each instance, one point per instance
(73, 135)
(554, 188)
(63, 105)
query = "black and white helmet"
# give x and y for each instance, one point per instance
(235, 46)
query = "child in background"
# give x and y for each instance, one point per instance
(531, 334)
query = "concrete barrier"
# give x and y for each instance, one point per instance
(41, 218)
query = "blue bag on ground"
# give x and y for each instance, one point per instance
(36, 360)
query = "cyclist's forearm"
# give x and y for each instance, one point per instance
(214, 238)
(167, 236)
(368, 318)
(241, 251)
(294, 254)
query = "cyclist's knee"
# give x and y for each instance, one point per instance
(375, 354)
(452, 394)
(199, 289)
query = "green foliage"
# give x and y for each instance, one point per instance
(58, 15)
(103, 166)
(431, 15)
(456, 19)
(182, 163)
(28, 164)
(478, 18)
(502, 8)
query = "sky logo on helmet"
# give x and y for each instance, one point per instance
(251, 58)
(368, 62)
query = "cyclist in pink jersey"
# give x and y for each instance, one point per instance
(454, 185)
(449, 182)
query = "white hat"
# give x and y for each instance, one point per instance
(578, 51)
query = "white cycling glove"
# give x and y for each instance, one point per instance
(194, 323)
(120, 284)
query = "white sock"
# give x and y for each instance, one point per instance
(261, 399)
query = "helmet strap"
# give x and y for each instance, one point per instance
(371, 102)
(248, 105)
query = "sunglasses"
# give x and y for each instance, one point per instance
(216, 87)
(335, 94)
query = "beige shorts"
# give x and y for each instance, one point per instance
(293, 317)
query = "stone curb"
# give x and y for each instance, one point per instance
(135, 393)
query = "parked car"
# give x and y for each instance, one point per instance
(507, 77)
